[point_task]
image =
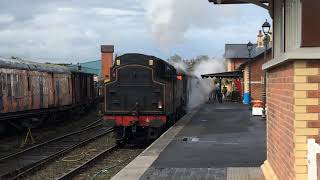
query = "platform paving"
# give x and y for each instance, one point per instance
(214, 141)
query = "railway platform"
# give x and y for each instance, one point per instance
(213, 141)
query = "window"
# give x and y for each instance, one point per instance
(283, 26)
(9, 87)
(310, 23)
(15, 85)
(69, 85)
(29, 83)
(4, 83)
(89, 86)
(1, 82)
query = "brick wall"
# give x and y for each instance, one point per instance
(292, 118)
(307, 111)
(256, 76)
(256, 93)
(233, 64)
(280, 122)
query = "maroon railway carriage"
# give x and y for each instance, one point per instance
(144, 95)
(31, 92)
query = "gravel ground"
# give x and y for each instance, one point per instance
(110, 165)
(12, 144)
(72, 159)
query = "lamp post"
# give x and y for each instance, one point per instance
(249, 47)
(266, 31)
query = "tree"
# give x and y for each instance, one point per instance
(202, 58)
(175, 58)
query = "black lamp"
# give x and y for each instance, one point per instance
(266, 28)
(250, 46)
(266, 31)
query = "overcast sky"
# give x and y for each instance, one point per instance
(73, 30)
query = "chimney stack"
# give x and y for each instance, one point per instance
(260, 40)
(106, 61)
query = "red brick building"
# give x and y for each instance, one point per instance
(235, 55)
(256, 73)
(293, 88)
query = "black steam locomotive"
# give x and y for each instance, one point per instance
(145, 94)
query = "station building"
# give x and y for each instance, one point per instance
(256, 79)
(293, 88)
(235, 55)
(237, 58)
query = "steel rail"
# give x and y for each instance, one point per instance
(21, 173)
(80, 168)
(52, 140)
(62, 149)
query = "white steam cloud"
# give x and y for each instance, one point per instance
(200, 88)
(169, 20)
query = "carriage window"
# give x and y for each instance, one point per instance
(69, 85)
(9, 92)
(15, 87)
(29, 83)
(4, 83)
(1, 82)
(88, 86)
(21, 85)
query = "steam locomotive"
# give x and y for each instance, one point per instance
(144, 95)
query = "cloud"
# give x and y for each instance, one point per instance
(5, 19)
(61, 30)
(73, 30)
(170, 20)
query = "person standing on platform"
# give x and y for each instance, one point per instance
(217, 94)
(224, 91)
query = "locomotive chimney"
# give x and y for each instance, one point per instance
(106, 61)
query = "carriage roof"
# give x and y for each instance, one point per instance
(32, 66)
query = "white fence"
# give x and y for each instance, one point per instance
(313, 150)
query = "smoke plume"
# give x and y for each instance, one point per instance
(169, 20)
(200, 88)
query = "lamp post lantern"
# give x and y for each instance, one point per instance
(266, 31)
(249, 47)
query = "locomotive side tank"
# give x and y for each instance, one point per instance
(144, 95)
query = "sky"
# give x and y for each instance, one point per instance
(73, 30)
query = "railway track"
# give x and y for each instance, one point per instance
(18, 164)
(86, 164)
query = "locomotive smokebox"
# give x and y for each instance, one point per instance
(106, 61)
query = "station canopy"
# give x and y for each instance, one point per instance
(228, 74)
(261, 3)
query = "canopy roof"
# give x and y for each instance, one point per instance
(240, 51)
(228, 74)
(261, 3)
